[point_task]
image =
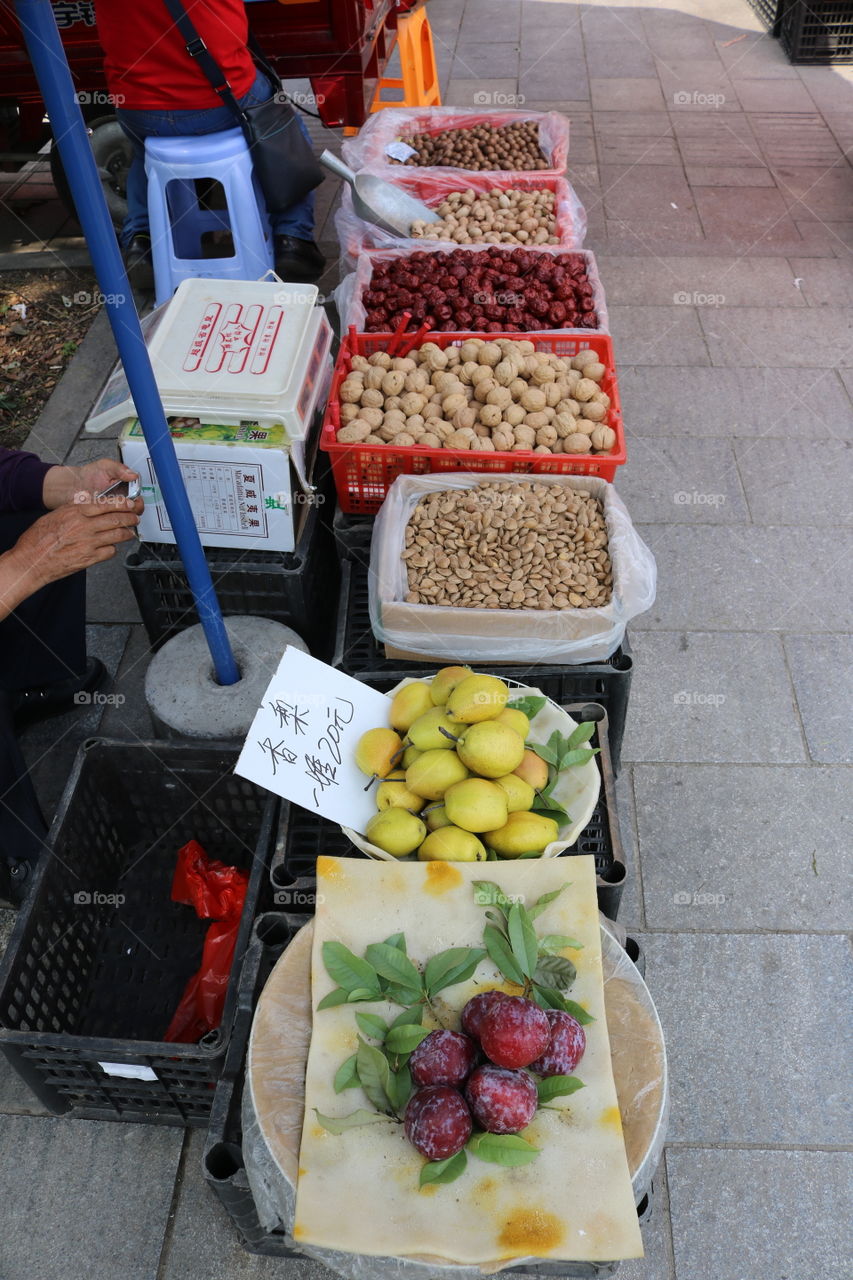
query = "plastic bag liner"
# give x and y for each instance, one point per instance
(368, 149)
(499, 635)
(274, 1099)
(349, 293)
(217, 892)
(432, 186)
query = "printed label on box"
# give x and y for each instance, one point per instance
(226, 498)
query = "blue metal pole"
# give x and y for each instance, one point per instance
(69, 130)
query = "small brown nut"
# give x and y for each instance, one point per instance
(533, 400)
(595, 410)
(584, 426)
(490, 415)
(490, 354)
(503, 439)
(414, 424)
(470, 350)
(373, 416)
(569, 406)
(393, 403)
(501, 396)
(374, 439)
(360, 364)
(380, 359)
(482, 389)
(576, 443)
(404, 364)
(404, 440)
(417, 380)
(480, 374)
(354, 433)
(536, 421)
(453, 403)
(584, 357)
(372, 399)
(603, 439)
(517, 388)
(514, 414)
(594, 370)
(547, 436)
(504, 372)
(554, 392)
(429, 441)
(412, 402)
(373, 378)
(458, 440)
(585, 389)
(525, 436)
(463, 418)
(543, 373)
(486, 445)
(393, 382)
(350, 411)
(351, 391)
(467, 370)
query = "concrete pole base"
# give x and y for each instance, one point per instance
(181, 690)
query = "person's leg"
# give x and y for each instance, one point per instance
(22, 825)
(136, 222)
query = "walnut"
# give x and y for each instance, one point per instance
(554, 392)
(543, 373)
(467, 369)
(470, 350)
(380, 359)
(595, 410)
(373, 416)
(452, 404)
(533, 400)
(514, 415)
(505, 372)
(490, 354)
(351, 411)
(585, 389)
(393, 382)
(432, 356)
(576, 443)
(351, 392)
(412, 402)
(360, 364)
(603, 438)
(459, 440)
(536, 421)
(372, 399)
(490, 415)
(355, 432)
(464, 417)
(546, 435)
(501, 396)
(482, 389)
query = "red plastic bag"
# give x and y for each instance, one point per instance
(217, 892)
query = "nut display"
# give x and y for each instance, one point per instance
(483, 291)
(500, 396)
(508, 146)
(513, 216)
(509, 545)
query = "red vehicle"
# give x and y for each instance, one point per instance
(341, 45)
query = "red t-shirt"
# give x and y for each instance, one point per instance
(147, 66)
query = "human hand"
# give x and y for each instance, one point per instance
(73, 537)
(63, 484)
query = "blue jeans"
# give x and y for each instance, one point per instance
(297, 221)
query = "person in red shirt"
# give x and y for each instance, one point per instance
(159, 91)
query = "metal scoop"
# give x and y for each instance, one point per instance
(378, 201)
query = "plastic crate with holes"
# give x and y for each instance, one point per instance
(364, 473)
(303, 837)
(359, 654)
(817, 31)
(100, 955)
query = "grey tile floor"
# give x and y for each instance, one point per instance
(731, 317)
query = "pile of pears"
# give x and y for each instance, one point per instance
(455, 778)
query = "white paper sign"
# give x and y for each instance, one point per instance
(128, 1071)
(400, 150)
(302, 741)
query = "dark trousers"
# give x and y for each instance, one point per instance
(42, 642)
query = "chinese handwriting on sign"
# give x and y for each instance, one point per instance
(278, 754)
(321, 764)
(288, 715)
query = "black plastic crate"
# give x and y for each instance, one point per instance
(100, 955)
(817, 31)
(297, 588)
(223, 1166)
(767, 10)
(358, 653)
(352, 536)
(303, 837)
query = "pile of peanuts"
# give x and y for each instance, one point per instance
(498, 147)
(493, 217)
(502, 396)
(509, 545)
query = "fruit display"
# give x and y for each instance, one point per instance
(484, 291)
(486, 396)
(462, 780)
(512, 146)
(500, 216)
(509, 545)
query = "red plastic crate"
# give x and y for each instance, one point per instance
(364, 473)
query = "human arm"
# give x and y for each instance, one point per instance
(62, 484)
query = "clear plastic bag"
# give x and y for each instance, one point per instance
(496, 635)
(434, 185)
(349, 293)
(368, 149)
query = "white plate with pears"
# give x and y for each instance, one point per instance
(458, 777)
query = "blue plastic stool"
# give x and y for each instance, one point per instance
(177, 222)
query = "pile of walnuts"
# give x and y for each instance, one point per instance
(502, 396)
(493, 217)
(492, 147)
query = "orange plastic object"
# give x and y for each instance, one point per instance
(364, 473)
(419, 82)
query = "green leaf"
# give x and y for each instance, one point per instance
(555, 811)
(349, 971)
(339, 1124)
(548, 997)
(556, 742)
(393, 964)
(531, 853)
(557, 1087)
(558, 941)
(402, 995)
(456, 965)
(363, 993)
(545, 753)
(498, 921)
(397, 940)
(581, 756)
(372, 1025)
(406, 1038)
(545, 901)
(491, 856)
(582, 734)
(531, 705)
(489, 894)
(413, 1017)
(578, 1012)
(336, 997)
(522, 938)
(502, 1148)
(374, 1074)
(441, 1171)
(500, 952)
(346, 1076)
(400, 1083)
(555, 971)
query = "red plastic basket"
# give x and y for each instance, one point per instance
(365, 472)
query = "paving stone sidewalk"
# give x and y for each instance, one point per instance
(718, 187)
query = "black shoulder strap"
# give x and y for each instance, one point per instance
(199, 52)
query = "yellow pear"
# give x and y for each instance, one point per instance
(433, 772)
(477, 698)
(451, 844)
(490, 749)
(475, 805)
(396, 831)
(435, 817)
(425, 732)
(408, 703)
(522, 833)
(375, 752)
(445, 681)
(519, 794)
(533, 770)
(410, 755)
(514, 718)
(394, 794)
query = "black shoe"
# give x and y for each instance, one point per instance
(299, 261)
(29, 705)
(138, 264)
